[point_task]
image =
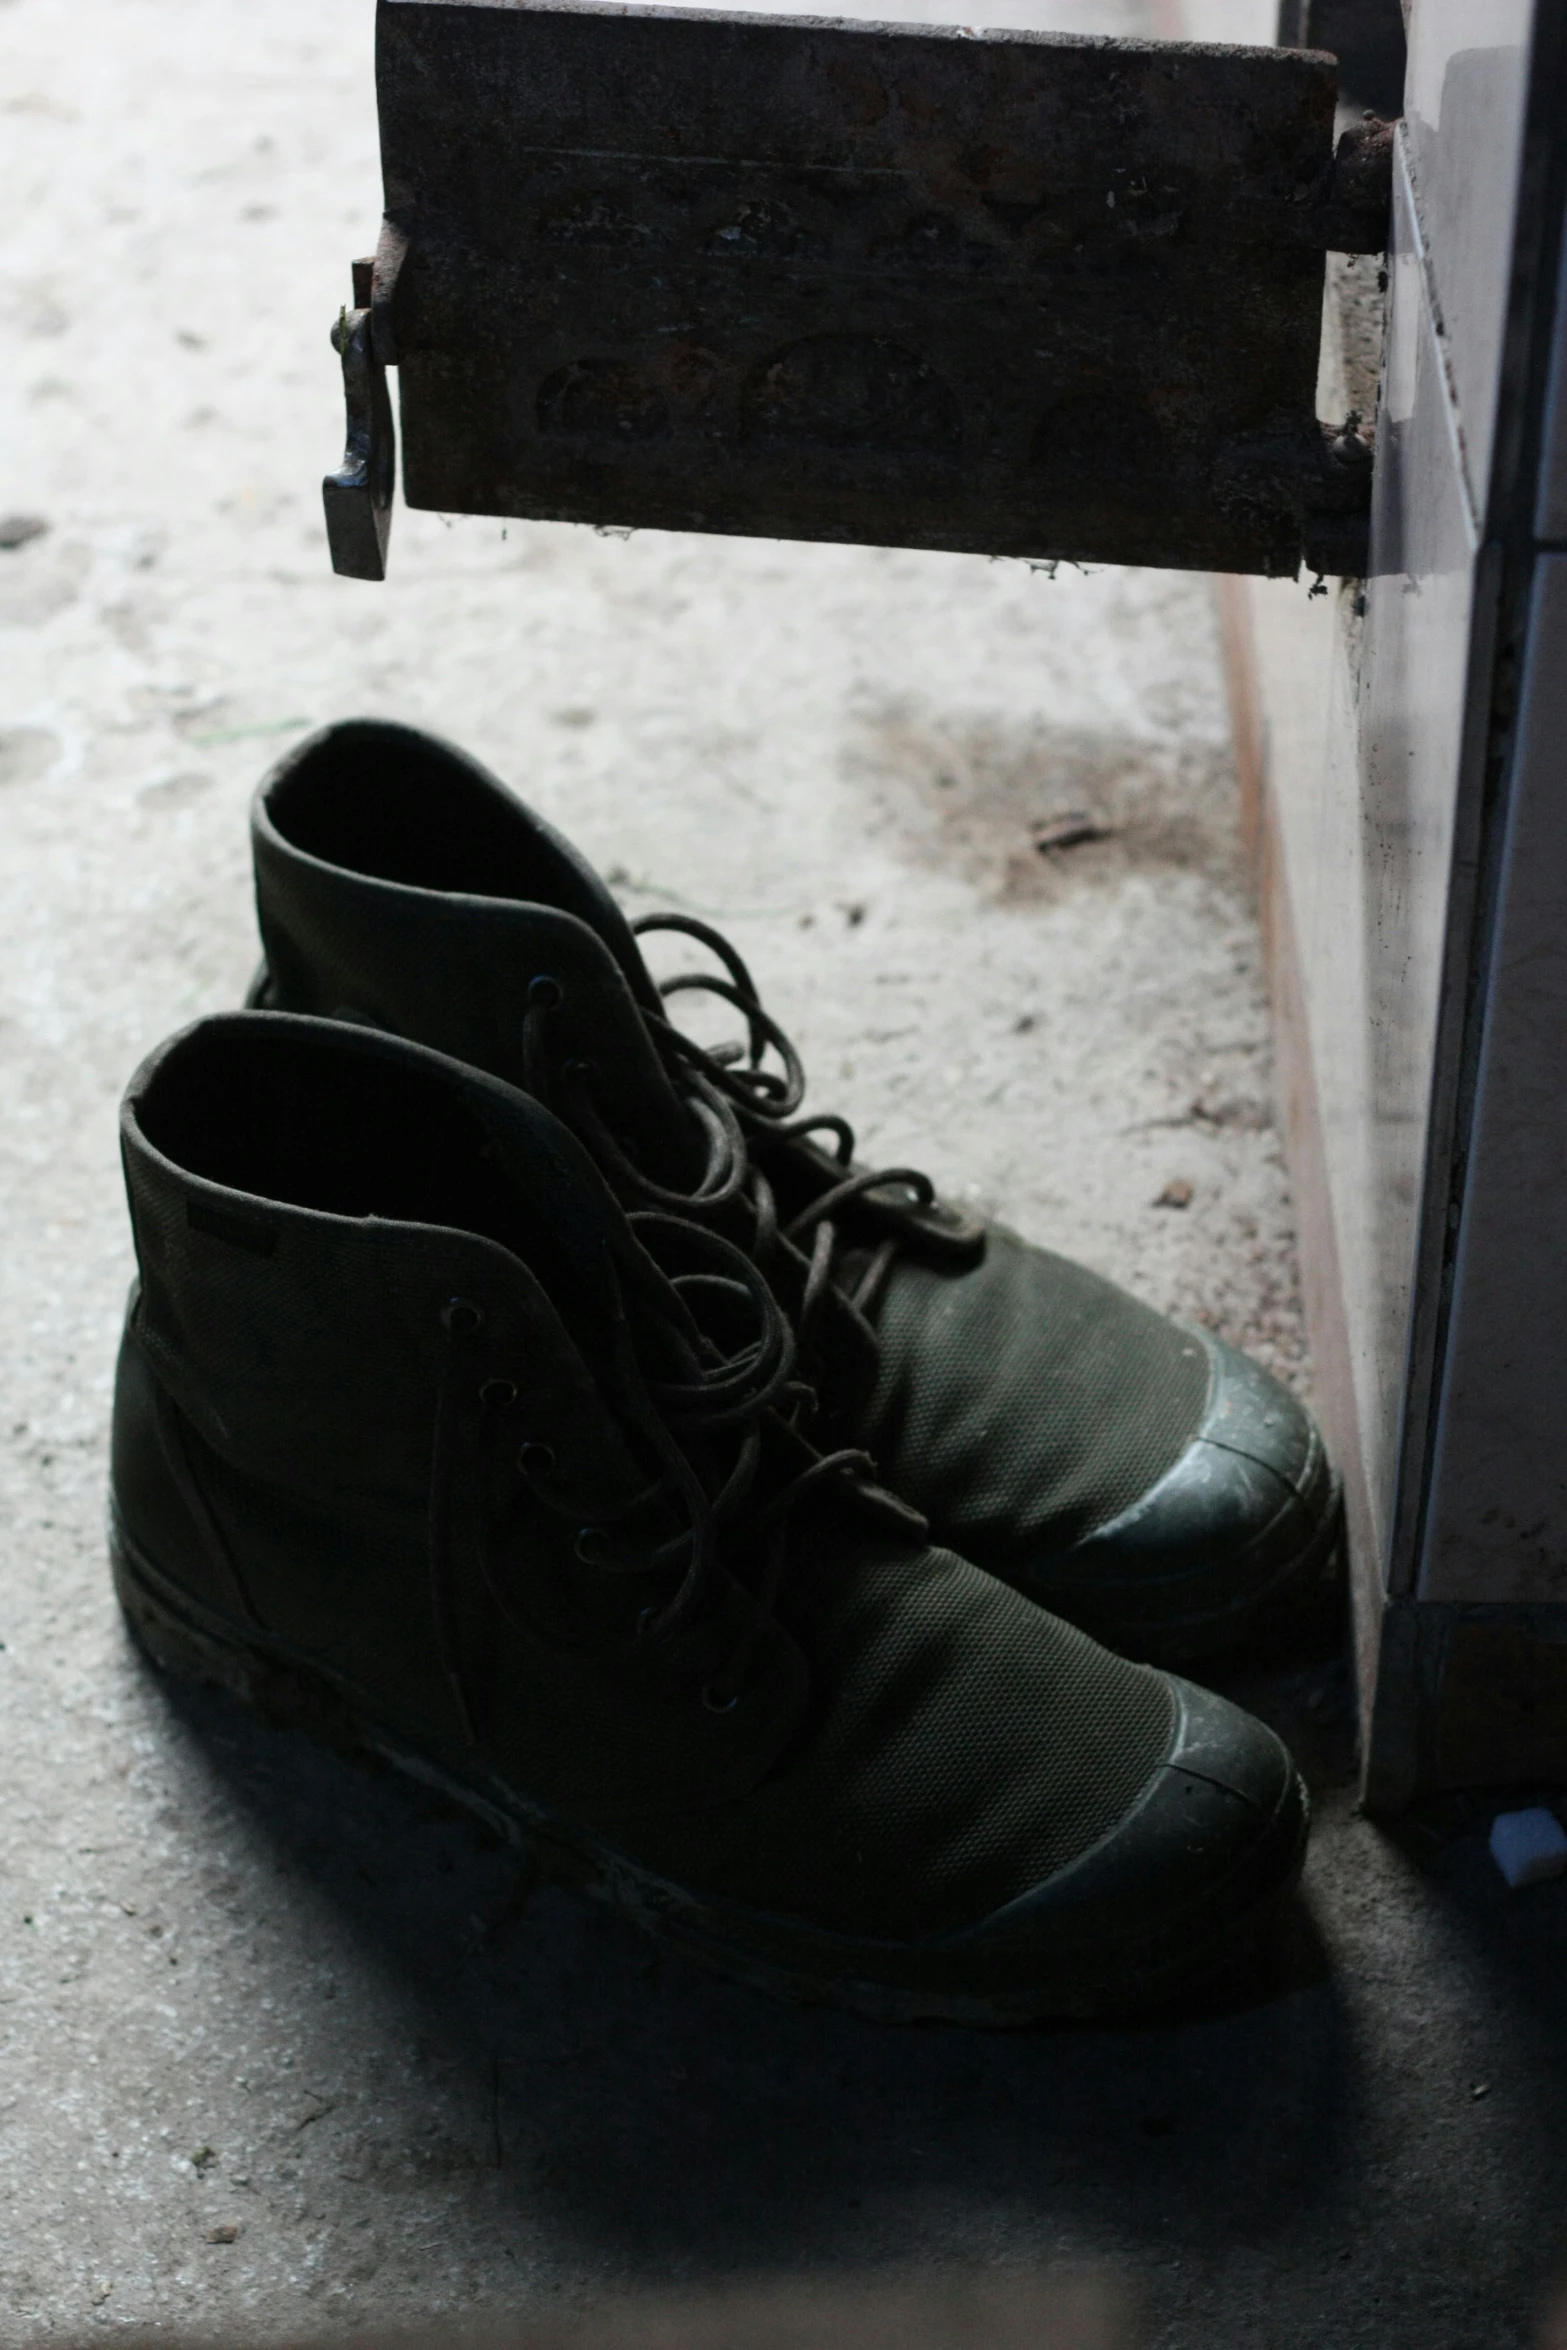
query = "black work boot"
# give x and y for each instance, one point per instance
(1145, 1480)
(418, 1435)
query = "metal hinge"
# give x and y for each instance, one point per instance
(358, 496)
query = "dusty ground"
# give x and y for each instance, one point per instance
(278, 2043)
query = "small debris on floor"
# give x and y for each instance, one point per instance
(1177, 1193)
(17, 529)
(1529, 1847)
(227, 2233)
(1068, 831)
(203, 2157)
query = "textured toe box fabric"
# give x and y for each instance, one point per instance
(971, 1746)
(1001, 1811)
(1025, 1402)
(1148, 1481)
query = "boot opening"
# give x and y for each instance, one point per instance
(400, 806)
(310, 1115)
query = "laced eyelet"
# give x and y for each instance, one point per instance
(592, 1546)
(536, 1460)
(461, 1317)
(546, 993)
(498, 1395)
(720, 1701)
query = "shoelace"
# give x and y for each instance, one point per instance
(716, 1395)
(742, 1106)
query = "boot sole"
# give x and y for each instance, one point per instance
(780, 1956)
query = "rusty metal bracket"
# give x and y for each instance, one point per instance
(1018, 294)
(358, 496)
(1322, 475)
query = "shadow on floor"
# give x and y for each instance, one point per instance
(1362, 2146)
(635, 2105)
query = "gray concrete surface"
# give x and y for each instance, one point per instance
(279, 2045)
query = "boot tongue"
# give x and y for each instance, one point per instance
(579, 1243)
(559, 877)
(627, 1317)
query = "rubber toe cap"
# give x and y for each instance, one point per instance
(1248, 1511)
(1177, 1891)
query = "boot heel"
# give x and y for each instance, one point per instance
(274, 1689)
(202, 1655)
(171, 1641)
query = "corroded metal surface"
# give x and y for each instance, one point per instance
(1025, 295)
(358, 496)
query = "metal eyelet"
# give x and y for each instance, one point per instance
(461, 1317)
(716, 1700)
(536, 1460)
(592, 1546)
(498, 1395)
(546, 993)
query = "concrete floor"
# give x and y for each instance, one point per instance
(281, 2045)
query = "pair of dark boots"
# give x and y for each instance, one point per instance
(545, 1402)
